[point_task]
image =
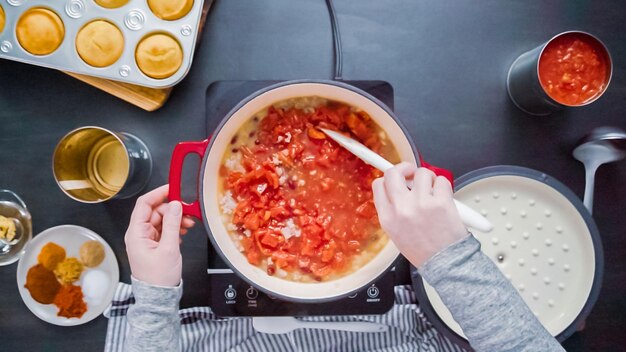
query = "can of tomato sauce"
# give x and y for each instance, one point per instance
(572, 69)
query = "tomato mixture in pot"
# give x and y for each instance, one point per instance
(297, 204)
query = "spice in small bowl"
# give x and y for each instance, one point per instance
(7, 229)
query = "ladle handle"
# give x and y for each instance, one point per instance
(590, 180)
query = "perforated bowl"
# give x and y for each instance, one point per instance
(544, 241)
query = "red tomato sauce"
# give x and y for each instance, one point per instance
(302, 200)
(573, 69)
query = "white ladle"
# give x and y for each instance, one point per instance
(470, 217)
(283, 325)
(603, 145)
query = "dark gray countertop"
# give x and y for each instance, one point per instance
(447, 61)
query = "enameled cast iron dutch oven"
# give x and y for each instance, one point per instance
(207, 208)
(544, 241)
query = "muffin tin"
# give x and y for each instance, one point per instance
(134, 19)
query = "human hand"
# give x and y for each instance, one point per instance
(421, 221)
(153, 241)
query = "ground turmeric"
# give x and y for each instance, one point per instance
(51, 255)
(68, 270)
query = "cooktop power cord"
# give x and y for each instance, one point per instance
(336, 40)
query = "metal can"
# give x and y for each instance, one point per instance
(524, 85)
(92, 164)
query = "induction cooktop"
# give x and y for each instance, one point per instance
(229, 294)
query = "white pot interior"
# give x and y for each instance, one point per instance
(210, 197)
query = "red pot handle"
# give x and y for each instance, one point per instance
(176, 169)
(438, 171)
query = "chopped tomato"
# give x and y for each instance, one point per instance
(251, 222)
(327, 255)
(270, 240)
(574, 68)
(367, 209)
(320, 270)
(303, 201)
(284, 260)
(278, 212)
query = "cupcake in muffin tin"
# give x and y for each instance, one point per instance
(144, 42)
(2, 19)
(159, 55)
(111, 4)
(170, 10)
(40, 31)
(100, 43)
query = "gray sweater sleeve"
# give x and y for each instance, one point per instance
(153, 322)
(493, 316)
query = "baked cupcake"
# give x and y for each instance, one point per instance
(2, 20)
(170, 10)
(159, 55)
(111, 4)
(99, 43)
(40, 31)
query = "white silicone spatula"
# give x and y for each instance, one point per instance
(470, 217)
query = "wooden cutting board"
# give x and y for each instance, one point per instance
(149, 99)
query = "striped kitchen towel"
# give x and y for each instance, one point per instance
(204, 331)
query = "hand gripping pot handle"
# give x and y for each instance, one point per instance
(438, 171)
(469, 216)
(176, 169)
